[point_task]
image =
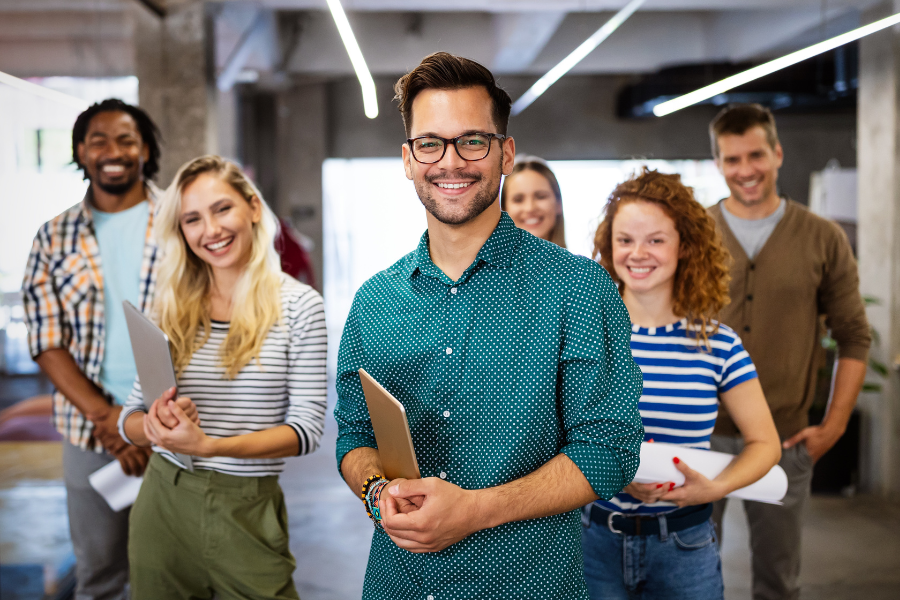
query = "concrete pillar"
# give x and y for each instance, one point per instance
(174, 63)
(302, 139)
(879, 243)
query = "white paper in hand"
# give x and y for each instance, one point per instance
(118, 489)
(657, 466)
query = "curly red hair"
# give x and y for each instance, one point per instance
(700, 289)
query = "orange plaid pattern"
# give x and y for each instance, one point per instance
(62, 294)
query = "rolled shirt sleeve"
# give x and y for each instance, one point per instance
(600, 384)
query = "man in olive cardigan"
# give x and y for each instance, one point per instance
(790, 267)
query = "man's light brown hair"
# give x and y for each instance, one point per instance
(444, 71)
(737, 119)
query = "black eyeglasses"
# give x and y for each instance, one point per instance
(429, 149)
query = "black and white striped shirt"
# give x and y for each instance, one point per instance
(289, 388)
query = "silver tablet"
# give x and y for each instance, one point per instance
(153, 360)
(395, 446)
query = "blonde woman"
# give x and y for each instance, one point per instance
(531, 196)
(249, 345)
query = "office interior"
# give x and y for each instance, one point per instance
(270, 84)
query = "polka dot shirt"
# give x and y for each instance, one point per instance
(524, 357)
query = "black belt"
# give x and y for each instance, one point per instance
(689, 516)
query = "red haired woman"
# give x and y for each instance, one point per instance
(662, 249)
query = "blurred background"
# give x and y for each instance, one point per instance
(270, 84)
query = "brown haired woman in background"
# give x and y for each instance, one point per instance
(532, 198)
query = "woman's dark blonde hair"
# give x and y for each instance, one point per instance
(181, 302)
(700, 289)
(558, 233)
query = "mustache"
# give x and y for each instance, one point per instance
(436, 177)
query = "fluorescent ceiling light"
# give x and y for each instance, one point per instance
(728, 83)
(43, 92)
(551, 77)
(370, 101)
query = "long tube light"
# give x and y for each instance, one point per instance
(43, 92)
(577, 55)
(370, 100)
(720, 87)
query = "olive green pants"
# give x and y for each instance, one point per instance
(196, 535)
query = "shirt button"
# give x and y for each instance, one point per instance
(747, 328)
(446, 413)
(449, 350)
(752, 266)
(453, 290)
(749, 296)
(443, 475)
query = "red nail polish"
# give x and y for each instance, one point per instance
(671, 486)
(650, 441)
(676, 460)
(658, 485)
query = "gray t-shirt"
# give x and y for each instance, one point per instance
(752, 234)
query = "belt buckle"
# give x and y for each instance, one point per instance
(609, 522)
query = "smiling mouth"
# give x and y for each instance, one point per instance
(533, 221)
(640, 270)
(750, 184)
(452, 186)
(220, 245)
(112, 169)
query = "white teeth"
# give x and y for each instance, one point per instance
(750, 183)
(113, 169)
(219, 245)
(453, 186)
(532, 221)
(639, 269)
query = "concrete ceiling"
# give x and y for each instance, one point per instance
(93, 37)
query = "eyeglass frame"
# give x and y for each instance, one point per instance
(447, 141)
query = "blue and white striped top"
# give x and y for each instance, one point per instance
(682, 383)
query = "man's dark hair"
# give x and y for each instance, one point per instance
(444, 71)
(149, 132)
(737, 119)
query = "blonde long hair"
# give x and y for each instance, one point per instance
(181, 305)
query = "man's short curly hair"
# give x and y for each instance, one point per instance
(700, 289)
(149, 132)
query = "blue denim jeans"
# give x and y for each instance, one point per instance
(683, 565)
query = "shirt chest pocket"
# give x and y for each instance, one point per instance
(73, 282)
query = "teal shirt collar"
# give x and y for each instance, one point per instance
(498, 250)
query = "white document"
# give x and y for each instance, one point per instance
(657, 466)
(118, 489)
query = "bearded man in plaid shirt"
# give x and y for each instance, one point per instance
(83, 264)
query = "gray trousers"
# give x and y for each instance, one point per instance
(775, 531)
(99, 535)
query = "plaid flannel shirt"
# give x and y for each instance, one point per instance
(62, 293)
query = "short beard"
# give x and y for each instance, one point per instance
(480, 203)
(116, 189)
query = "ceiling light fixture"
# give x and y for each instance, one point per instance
(43, 92)
(720, 87)
(370, 100)
(551, 77)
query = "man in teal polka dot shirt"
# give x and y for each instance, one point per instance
(512, 359)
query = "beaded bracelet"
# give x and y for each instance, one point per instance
(374, 496)
(367, 483)
(372, 484)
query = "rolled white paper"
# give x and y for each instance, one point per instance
(657, 466)
(118, 489)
